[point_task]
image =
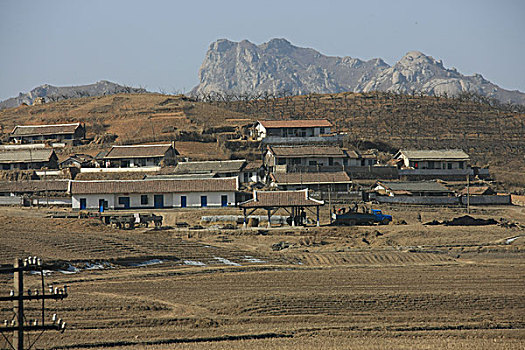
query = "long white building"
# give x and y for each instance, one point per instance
(156, 193)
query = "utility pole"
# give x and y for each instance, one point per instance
(19, 325)
(468, 194)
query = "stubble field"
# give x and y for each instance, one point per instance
(378, 287)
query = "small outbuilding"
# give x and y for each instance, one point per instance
(28, 158)
(295, 203)
(141, 156)
(72, 133)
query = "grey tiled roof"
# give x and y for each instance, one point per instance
(26, 155)
(307, 151)
(154, 186)
(415, 186)
(267, 199)
(138, 151)
(30, 130)
(310, 178)
(213, 166)
(436, 154)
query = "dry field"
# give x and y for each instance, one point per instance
(407, 286)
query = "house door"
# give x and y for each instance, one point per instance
(83, 203)
(183, 201)
(102, 205)
(158, 201)
(204, 201)
(224, 201)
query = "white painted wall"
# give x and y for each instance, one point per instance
(171, 200)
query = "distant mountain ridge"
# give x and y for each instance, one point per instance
(55, 93)
(277, 66)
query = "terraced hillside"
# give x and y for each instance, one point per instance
(492, 134)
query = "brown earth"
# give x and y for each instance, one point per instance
(493, 135)
(367, 287)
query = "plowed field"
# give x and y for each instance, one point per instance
(385, 287)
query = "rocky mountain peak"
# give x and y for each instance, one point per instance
(277, 66)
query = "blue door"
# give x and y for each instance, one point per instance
(83, 203)
(204, 201)
(183, 201)
(224, 200)
(158, 201)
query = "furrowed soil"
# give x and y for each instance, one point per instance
(367, 287)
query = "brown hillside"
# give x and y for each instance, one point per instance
(492, 135)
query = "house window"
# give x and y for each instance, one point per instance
(312, 162)
(281, 161)
(461, 165)
(449, 165)
(144, 199)
(124, 201)
(416, 165)
(330, 161)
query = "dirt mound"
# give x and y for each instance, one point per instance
(465, 220)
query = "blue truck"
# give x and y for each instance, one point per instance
(353, 217)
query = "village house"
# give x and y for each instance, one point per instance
(154, 193)
(28, 158)
(141, 156)
(246, 171)
(292, 128)
(305, 158)
(411, 188)
(316, 182)
(33, 188)
(78, 161)
(72, 134)
(446, 164)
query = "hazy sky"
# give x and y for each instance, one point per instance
(161, 44)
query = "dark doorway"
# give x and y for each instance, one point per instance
(183, 201)
(158, 201)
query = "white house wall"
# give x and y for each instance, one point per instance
(171, 200)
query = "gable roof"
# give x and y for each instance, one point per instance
(436, 154)
(212, 166)
(271, 199)
(310, 178)
(34, 186)
(138, 151)
(295, 123)
(414, 186)
(228, 184)
(27, 155)
(51, 129)
(477, 191)
(307, 151)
